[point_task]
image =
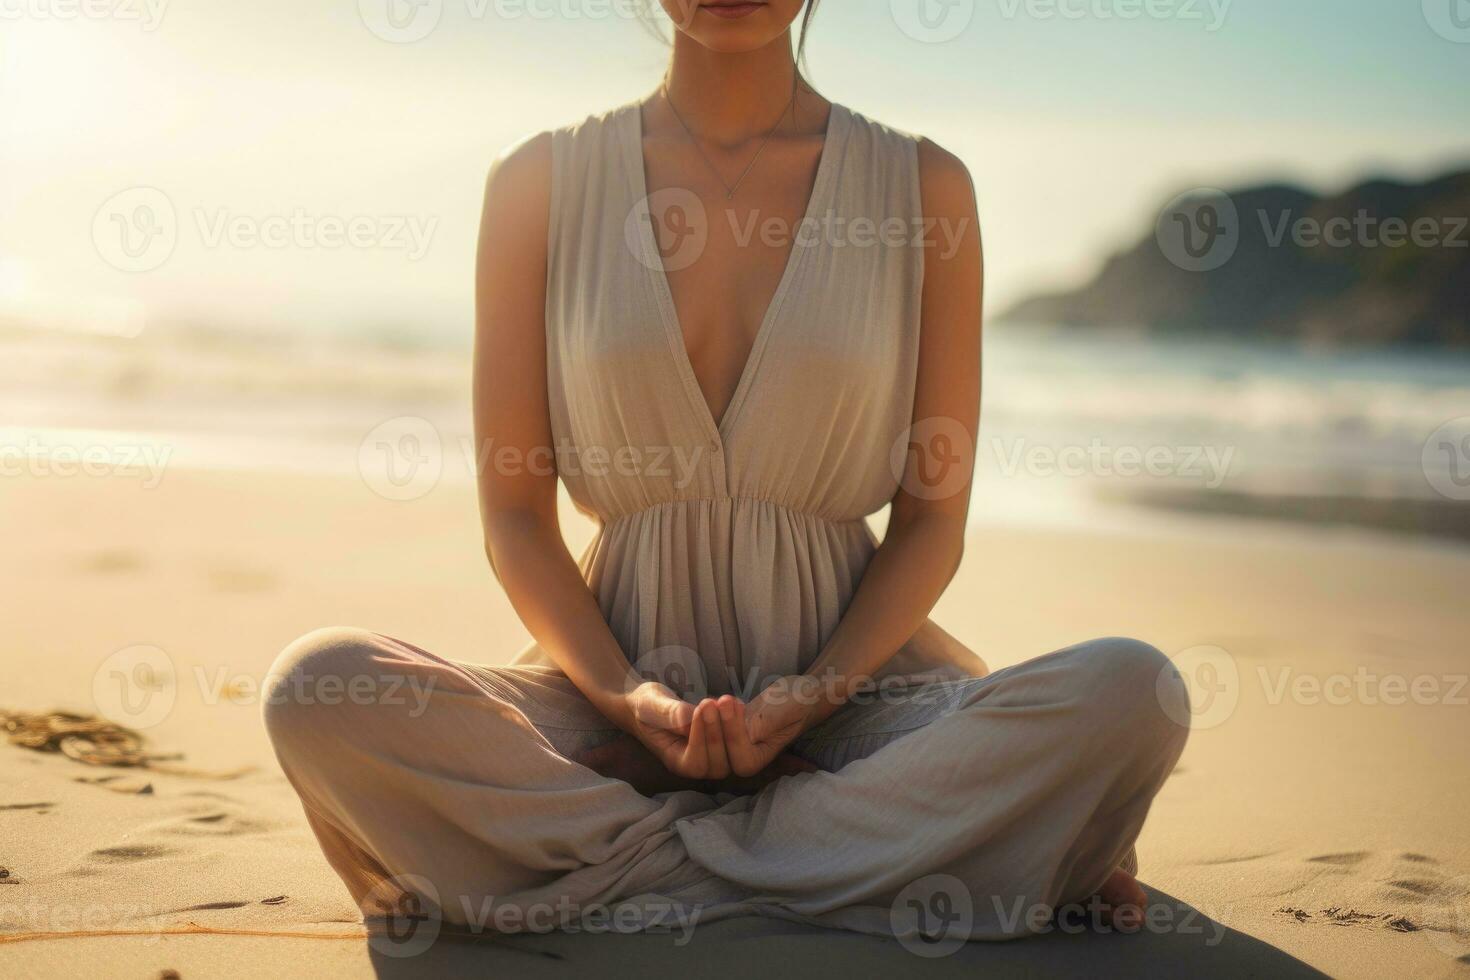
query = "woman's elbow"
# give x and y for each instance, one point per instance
(505, 531)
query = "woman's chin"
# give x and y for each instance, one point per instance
(731, 38)
(736, 35)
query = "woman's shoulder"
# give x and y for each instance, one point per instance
(875, 131)
(934, 159)
(534, 155)
(566, 155)
(587, 134)
(943, 177)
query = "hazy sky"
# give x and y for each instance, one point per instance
(1077, 123)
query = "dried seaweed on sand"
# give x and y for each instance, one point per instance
(94, 741)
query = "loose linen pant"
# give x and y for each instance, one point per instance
(454, 784)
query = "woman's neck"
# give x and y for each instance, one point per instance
(728, 99)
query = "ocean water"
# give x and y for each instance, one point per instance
(1239, 419)
(1073, 422)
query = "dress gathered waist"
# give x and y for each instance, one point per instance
(734, 500)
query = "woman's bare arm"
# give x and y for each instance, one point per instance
(517, 470)
(926, 530)
(517, 478)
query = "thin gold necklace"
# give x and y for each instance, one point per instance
(730, 189)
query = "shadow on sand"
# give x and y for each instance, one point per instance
(764, 949)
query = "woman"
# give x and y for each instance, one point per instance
(740, 319)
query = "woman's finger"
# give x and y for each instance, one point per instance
(718, 758)
(695, 761)
(679, 714)
(744, 756)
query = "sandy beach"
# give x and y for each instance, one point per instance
(1315, 823)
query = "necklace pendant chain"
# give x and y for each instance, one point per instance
(730, 189)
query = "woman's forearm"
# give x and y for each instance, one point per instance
(549, 594)
(925, 540)
(904, 580)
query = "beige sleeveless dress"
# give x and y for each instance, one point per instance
(941, 811)
(742, 541)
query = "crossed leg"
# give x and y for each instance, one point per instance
(1028, 787)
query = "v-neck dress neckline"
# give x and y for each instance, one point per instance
(651, 259)
(738, 545)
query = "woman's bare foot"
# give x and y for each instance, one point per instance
(1123, 900)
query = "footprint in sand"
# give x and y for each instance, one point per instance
(226, 906)
(1419, 889)
(214, 821)
(238, 579)
(208, 907)
(1345, 860)
(44, 807)
(1383, 889)
(117, 784)
(134, 852)
(1235, 859)
(113, 562)
(1339, 916)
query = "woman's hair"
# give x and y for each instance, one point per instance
(806, 23)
